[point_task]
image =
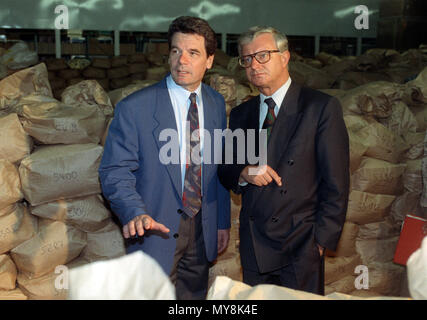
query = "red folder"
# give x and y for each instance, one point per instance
(414, 229)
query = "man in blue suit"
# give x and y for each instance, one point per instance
(164, 187)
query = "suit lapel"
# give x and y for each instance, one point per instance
(164, 119)
(285, 125)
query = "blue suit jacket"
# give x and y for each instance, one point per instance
(135, 181)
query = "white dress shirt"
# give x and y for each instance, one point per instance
(180, 99)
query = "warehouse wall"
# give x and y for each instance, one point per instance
(294, 17)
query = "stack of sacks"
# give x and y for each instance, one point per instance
(227, 87)
(384, 147)
(66, 221)
(16, 224)
(17, 57)
(228, 262)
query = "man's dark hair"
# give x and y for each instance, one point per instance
(194, 25)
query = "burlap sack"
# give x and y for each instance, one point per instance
(230, 267)
(339, 68)
(382, 143)
(15, 294)
(72, 82)
(60, 172)
(416, 92)
(343, 285)
(7, 273)
(119, 94)
(406, 203)
(346, 245)
(356, 122)
(420, 114)
(337, 268)
(309, 76)
(357, 150)
(155, 59)
(364, 207)
(327, 58)
(68, 74)
(371, 99)
(85, 213)
(54, 64)
(15, 143)
(137, 76)
(376, 250)
(88, 92)
(157, 73)
(10, 184)
(353, 79)
(94, 73)
(385, 229)
(221, 58)
(3, 71)
(137, 57)
(51, 122)
(16, 226)
(378, 176)
(401, 120)
(412, 177)
(119, 72)
(104, 244)
(104, 137)
(57, 84)
(22, 83)
(104, 83)
(416, 143)
(385, 278)
(224, 85)
(118, 61)
(103, 63)
(54, 244)
(137, 68)
(120, 82)
(78, 63)
(313, 63)
(46, 287)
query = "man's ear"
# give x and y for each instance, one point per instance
(286, 56)
(210, 61)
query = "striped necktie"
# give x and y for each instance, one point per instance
(270, 118)
(192, 196)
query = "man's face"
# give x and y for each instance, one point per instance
(270, 76)
(188, 60)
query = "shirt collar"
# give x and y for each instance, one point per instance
(279, 95)
(182, 92)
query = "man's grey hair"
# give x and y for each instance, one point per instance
(252, 33)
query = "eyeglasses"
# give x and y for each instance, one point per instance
(261, 56)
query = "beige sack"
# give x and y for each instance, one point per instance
(67, 74)
(78, 63)
(379, 230)
(157, 73)
(406, 203)
(43, 287)
(15, 143)
(221, 58)
(104, 244)
(54, 244)
(7, 273)
(86, 213)
(60, 172)
(119, 61)
(413, 178)
(120, 82)
(225, 86)
(94, 73)
(343, 285)
(54, 64)
(119, 94)
(136, 57)
(309, 76)
(230, 267)
(357, 150)
(119, 72)
(15, 294)
(52, 122)
(401, 121)
(420, 114)
(364, 207)
(23, 83)
(103, 63)
(137, 68)
(16, 226)
(382, 143)
(376, 250)
(104, 137)
(346, 245)
(377, 176)
(386, 278)
(10, 184)
(356, 122)
(337, 268)
(88, 92)
(416, 143)
(417, 88)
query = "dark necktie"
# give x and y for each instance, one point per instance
(192, 196)
(270, 118)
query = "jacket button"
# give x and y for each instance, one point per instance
(291, 162)
(252, 218)
(176, 235)
(180, 211)
(283, 192)
(274, 219)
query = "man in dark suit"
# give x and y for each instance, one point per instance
(295, 206)
(156, 171)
